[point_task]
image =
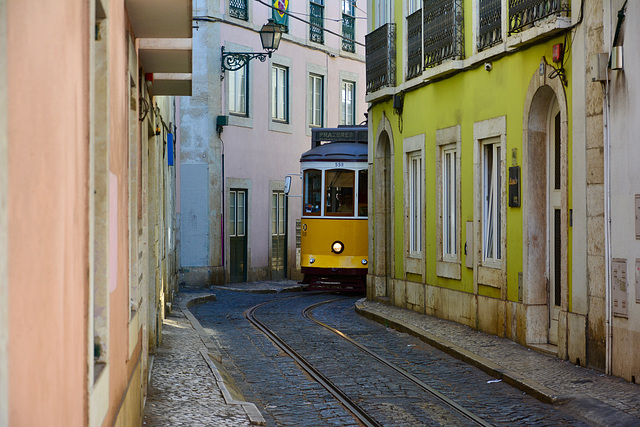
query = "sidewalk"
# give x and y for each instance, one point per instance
(189, 387)
(599, 399)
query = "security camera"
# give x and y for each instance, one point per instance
(488, 66)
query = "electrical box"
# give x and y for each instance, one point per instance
(637, 212)
(638, 280)
(514, 186)
(599, 64)
(222, 120)
(468, 246)
(620, 287)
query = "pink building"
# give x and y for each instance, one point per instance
(244, 130)
(87, 253)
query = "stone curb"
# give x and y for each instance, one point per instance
(533, 388)
(213, 358)
(264, 291)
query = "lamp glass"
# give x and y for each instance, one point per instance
(270, 35)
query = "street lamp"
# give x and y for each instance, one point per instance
(270, 35)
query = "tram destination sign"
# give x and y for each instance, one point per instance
(339, 135)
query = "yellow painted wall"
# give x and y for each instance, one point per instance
(467, 97)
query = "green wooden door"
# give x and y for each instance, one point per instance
(237, 236)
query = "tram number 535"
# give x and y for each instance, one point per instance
(338, 165)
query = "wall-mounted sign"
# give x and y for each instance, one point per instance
(514, 186)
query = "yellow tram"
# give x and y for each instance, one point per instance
(333, 253)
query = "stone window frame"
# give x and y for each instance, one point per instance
(448, 138)
(414, 261)
(277, 125)
(492, 274)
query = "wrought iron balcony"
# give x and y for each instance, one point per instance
(523, 13)
(490, 31)
(349, 31)
(443, 31)
(316, 31)
(381, 57)
(414, 44)
(238, 9)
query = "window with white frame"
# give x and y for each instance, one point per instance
(449, 204)
(315, 100)
(382, 12)
(280, 93)
(415, 202)
(491, 200)
(347, 104)
(413, 5)
(238, 85)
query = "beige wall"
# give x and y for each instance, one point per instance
(47, 95)
(4, 306)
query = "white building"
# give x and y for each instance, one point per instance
(235, 222)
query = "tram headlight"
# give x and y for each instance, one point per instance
(364, 262)
(312, 260)
(337, 247)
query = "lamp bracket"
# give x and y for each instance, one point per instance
(232, 61)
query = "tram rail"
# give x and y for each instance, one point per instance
(358, 412)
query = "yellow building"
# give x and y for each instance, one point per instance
(471, 145)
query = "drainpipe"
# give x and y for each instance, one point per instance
(607, 227)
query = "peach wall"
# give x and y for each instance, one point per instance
(47, 51)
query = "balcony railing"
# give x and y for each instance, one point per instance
(443, 31)
(490, 31)
(316, 32)
(348, 31)
(414, 44)
(523, 13)
(381, 57)
(238, 9)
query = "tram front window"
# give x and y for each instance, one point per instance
(339, 192)
(312, 192)
(362, 192)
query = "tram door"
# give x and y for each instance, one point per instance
(554, 225)
(278, 235)
(237, 236)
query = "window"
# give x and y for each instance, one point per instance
(280, 93)
(413, 5)
(415, 203)
(277, 213)
(238, 84)
(315, 100)
(491, 201)
(347, 104)
(237, 199)
(339, 185)
(449, 205)
(382, 12)
(238, 9)
(316, 31)
(312, 194)
(363, 195)
(348, 26)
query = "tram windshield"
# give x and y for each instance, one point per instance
(312, 191)
(339, 185)
(363, 175)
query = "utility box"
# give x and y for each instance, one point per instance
(620, 287)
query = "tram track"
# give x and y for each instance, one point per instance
(359, 413)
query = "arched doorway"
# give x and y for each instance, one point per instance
(545, 201)
(383, 210)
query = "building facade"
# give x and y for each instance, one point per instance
(486, 152)
(88, 259)
(244, 130)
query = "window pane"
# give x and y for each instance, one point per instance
(312, 193)
(241, 212)
(274, 92)
(339, 192)
(281, 213)
(274, 213)
(237, 91)
(232, 213)
(363, 176)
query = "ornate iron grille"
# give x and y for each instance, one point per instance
(443, 34)
(381, 57)
(523, 13)
(414, 44)
(490, 31)
(349, 31)
(316, 32)
(238, 9)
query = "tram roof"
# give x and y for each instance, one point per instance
(344, 143)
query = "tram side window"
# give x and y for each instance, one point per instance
(339, 185)
(312, 192)
(363, 176)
